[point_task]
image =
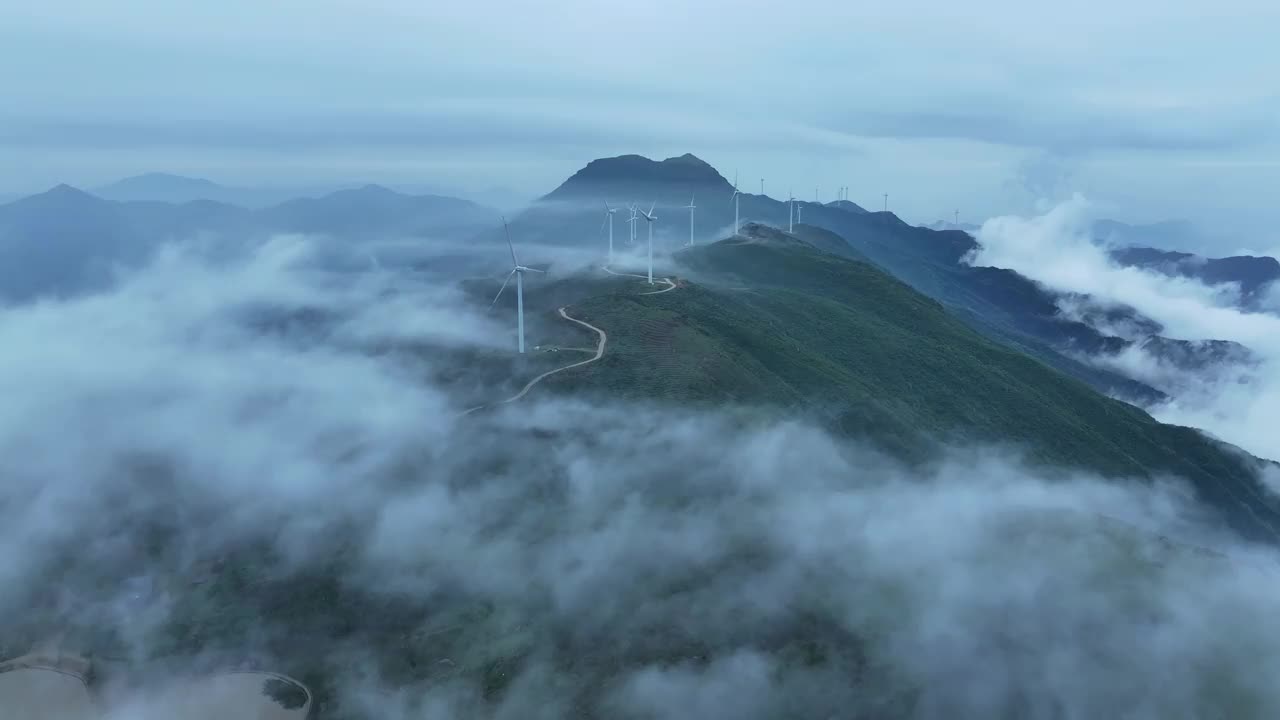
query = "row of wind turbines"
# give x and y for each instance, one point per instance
(636, 215)
(518, 270)
(795, 213)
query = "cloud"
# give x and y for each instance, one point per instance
(1237, 404)
(260, 460)
(226, 372)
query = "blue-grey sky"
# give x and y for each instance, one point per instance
(1152, 109)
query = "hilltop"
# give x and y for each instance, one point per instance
(640, 177)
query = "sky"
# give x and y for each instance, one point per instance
(1153, 110)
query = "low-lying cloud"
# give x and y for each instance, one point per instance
(255, 461)
(1239, 404)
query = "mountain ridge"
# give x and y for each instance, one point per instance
(769, 318)
(1254, 274)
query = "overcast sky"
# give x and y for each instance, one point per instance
(1152, 109)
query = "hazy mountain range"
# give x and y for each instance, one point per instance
(166, 187)
(65, 240)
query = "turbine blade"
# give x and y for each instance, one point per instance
(652, 205)
(544, 272)
(504, 287)
(510, 247)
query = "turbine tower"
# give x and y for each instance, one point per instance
(608, 219)
(886, 202)
(518, 270)
(735, 200)
(649, 216)
(791, 212)
(761, 187)
(799, 213)
(690, 207)
(631, 237)
(957, 219)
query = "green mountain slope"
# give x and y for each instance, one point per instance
(768, 322)
(773, 321)
(1000, 304)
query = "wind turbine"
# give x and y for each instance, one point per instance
(886, 202)
(650, 217)
(735, 200)
(631, 240)
(518, 270)
(791, 212)
(957, 219)
(608, 219)
(799, 213)
(690, 207)
(761, 187)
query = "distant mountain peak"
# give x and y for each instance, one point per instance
(162, 181)
(63, 192)
(373, 189)
(688, 158)
(169, 177)
(61, 201)
(642, 176)
(161, 187)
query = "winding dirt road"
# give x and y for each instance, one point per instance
(670, 283)
(599, 354)
(604, 339)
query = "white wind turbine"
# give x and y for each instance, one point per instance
(799, 213)
(631, 240)
(690, 207)
(735, 201)
(518, 270)
(608, 219)
(791, 212)
(650, 217)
